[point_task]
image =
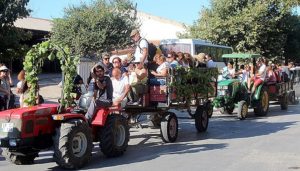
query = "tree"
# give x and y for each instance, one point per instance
(292, 46)
(95, 28)
(10, 36)
(259, 26)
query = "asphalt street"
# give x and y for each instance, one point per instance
(268, 143)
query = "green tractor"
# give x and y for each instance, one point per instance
(233, 92)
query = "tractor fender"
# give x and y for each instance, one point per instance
(68, 116)
(257, 92)
(101, 116)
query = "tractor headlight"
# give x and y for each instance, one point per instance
(221, 93)
(222, 87)
(225, 87)
(13, 142)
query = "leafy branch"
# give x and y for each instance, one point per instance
(33, 62)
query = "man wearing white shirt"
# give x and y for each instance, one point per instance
(141, 50)
(120, 87)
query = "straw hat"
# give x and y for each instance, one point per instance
(200, 57)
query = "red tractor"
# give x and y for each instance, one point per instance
(26, 131)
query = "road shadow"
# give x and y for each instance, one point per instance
(151, 147)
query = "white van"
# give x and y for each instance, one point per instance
(194, 47)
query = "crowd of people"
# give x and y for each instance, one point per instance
(124, 82)
(264, 71)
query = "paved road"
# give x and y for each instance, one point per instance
(265, 143)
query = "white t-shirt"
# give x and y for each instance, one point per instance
(245, 75)
(231, 71)
(162, 66)
(262, 71)
(119, 87)
(139, 51)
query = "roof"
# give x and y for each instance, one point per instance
(31, 23)
(241, 55)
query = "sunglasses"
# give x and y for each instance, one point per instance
(106, 58)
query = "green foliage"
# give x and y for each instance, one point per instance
(192, 82)
(98, 27)
(11, 36)
(255, 26)
(34, 60)
(292, 47)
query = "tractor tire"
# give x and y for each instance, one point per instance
(201, 119)
(73, 144)
(242, 110)
(169, 127)
(227, 110)
(262, 106)
(284, 101)
(209, 108)
(19, 159)
(114, 136)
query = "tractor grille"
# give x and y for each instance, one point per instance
(14, 131)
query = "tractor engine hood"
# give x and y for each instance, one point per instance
(12, 121)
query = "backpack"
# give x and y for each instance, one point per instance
(151, 50)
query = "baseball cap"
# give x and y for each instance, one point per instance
(134, 32)
(2, 68)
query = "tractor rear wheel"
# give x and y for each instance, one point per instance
(73, 144)
(262, 107)
(114, 136)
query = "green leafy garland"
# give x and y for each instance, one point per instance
(33, 62)
(192, 82)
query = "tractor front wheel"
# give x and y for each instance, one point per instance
(73, 144)
(27, 158)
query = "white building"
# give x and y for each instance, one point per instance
(157, 28)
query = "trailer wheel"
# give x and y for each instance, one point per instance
(284, 101)
(114, 136)
(209, 108)
(227, 110)
(169, 127)
(262, 106)
(292, 97)
(19, 159)
(201, 119)
(73, 144)
(242, 110)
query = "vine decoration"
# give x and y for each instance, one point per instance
(33, 62)
(193, 83)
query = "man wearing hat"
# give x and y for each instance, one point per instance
(141, 50)
(4, 87)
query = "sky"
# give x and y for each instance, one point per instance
(184, 11)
